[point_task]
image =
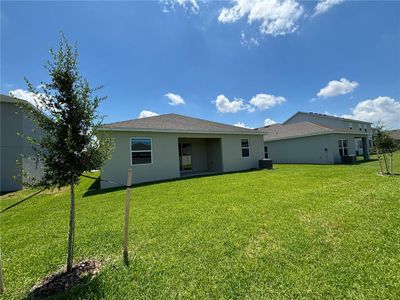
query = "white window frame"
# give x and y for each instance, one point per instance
(351, 125)
(132, 151)
(341, 147)
(241, 147)
(365, 127)
(359, 127)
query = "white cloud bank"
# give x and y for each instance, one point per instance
(260, 101)
(337, 87)
(265, 101)
(324, 5)
(382, 109)
(277, 17)
(268, 122)
(174, 99)
(274, 17)
(146, 114)
(34, 99)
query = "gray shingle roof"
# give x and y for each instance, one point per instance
(177, 123)
(302, 129)
(313, 114)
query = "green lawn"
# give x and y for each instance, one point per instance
(299, 231)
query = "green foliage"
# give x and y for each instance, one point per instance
(385, 146)
(384, 142)
(65, 111)
(296, 232)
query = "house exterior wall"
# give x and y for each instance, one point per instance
(11, 143)
(310, 150)
(14, 121)
(165, 155)
(214, 153)
(232, 152)
(333, 122)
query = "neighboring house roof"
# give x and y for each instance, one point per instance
(325, 116)
(176, 123)
(394, 134)
(302, 129)
(5, 98)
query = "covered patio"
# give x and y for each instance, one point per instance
(198, 156)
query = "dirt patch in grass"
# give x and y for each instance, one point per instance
(62, 281)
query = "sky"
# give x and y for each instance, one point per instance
(245, 62)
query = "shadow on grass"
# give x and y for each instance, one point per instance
(87, 289)
(23, 200)
(359, 162)
(92, 192)
(83, 282)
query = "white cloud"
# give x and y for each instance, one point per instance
(265, 101)
(337, 87)
(174, 99)
(191, 5)
(34, 99)
(324, 5)
(260, 101)
(277, 17)
(268, 122)
(146, 114)
(241, 124)
(225, 106)
(251, 41)
(382, 109)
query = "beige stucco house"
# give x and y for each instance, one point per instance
(14, 147)
(172, 146)
(317, 139)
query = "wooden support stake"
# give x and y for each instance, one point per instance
(127, 205)
(1, 276)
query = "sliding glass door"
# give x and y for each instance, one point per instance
(185, 157)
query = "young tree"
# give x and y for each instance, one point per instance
(385, 147)
(65, 111)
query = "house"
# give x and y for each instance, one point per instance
(172, 146)
(14, 147)
(395, 135)
(317, 139)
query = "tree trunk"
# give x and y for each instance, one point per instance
(380, 161)
(71, 234)
(391, 163)
(386, 163)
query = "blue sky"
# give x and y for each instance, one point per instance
(234, 62)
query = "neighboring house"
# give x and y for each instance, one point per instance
(13, 147)
(316, 138)
(172, 146)
(395, 134)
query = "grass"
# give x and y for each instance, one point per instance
(299, 231)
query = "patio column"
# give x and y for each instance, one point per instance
(365, 148)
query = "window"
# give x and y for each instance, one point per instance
(359, 127)
(365, 127)
(141, 151)
(265, 151)
(343, 150)
(350, 125)
(370, 143)
(245, 147)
